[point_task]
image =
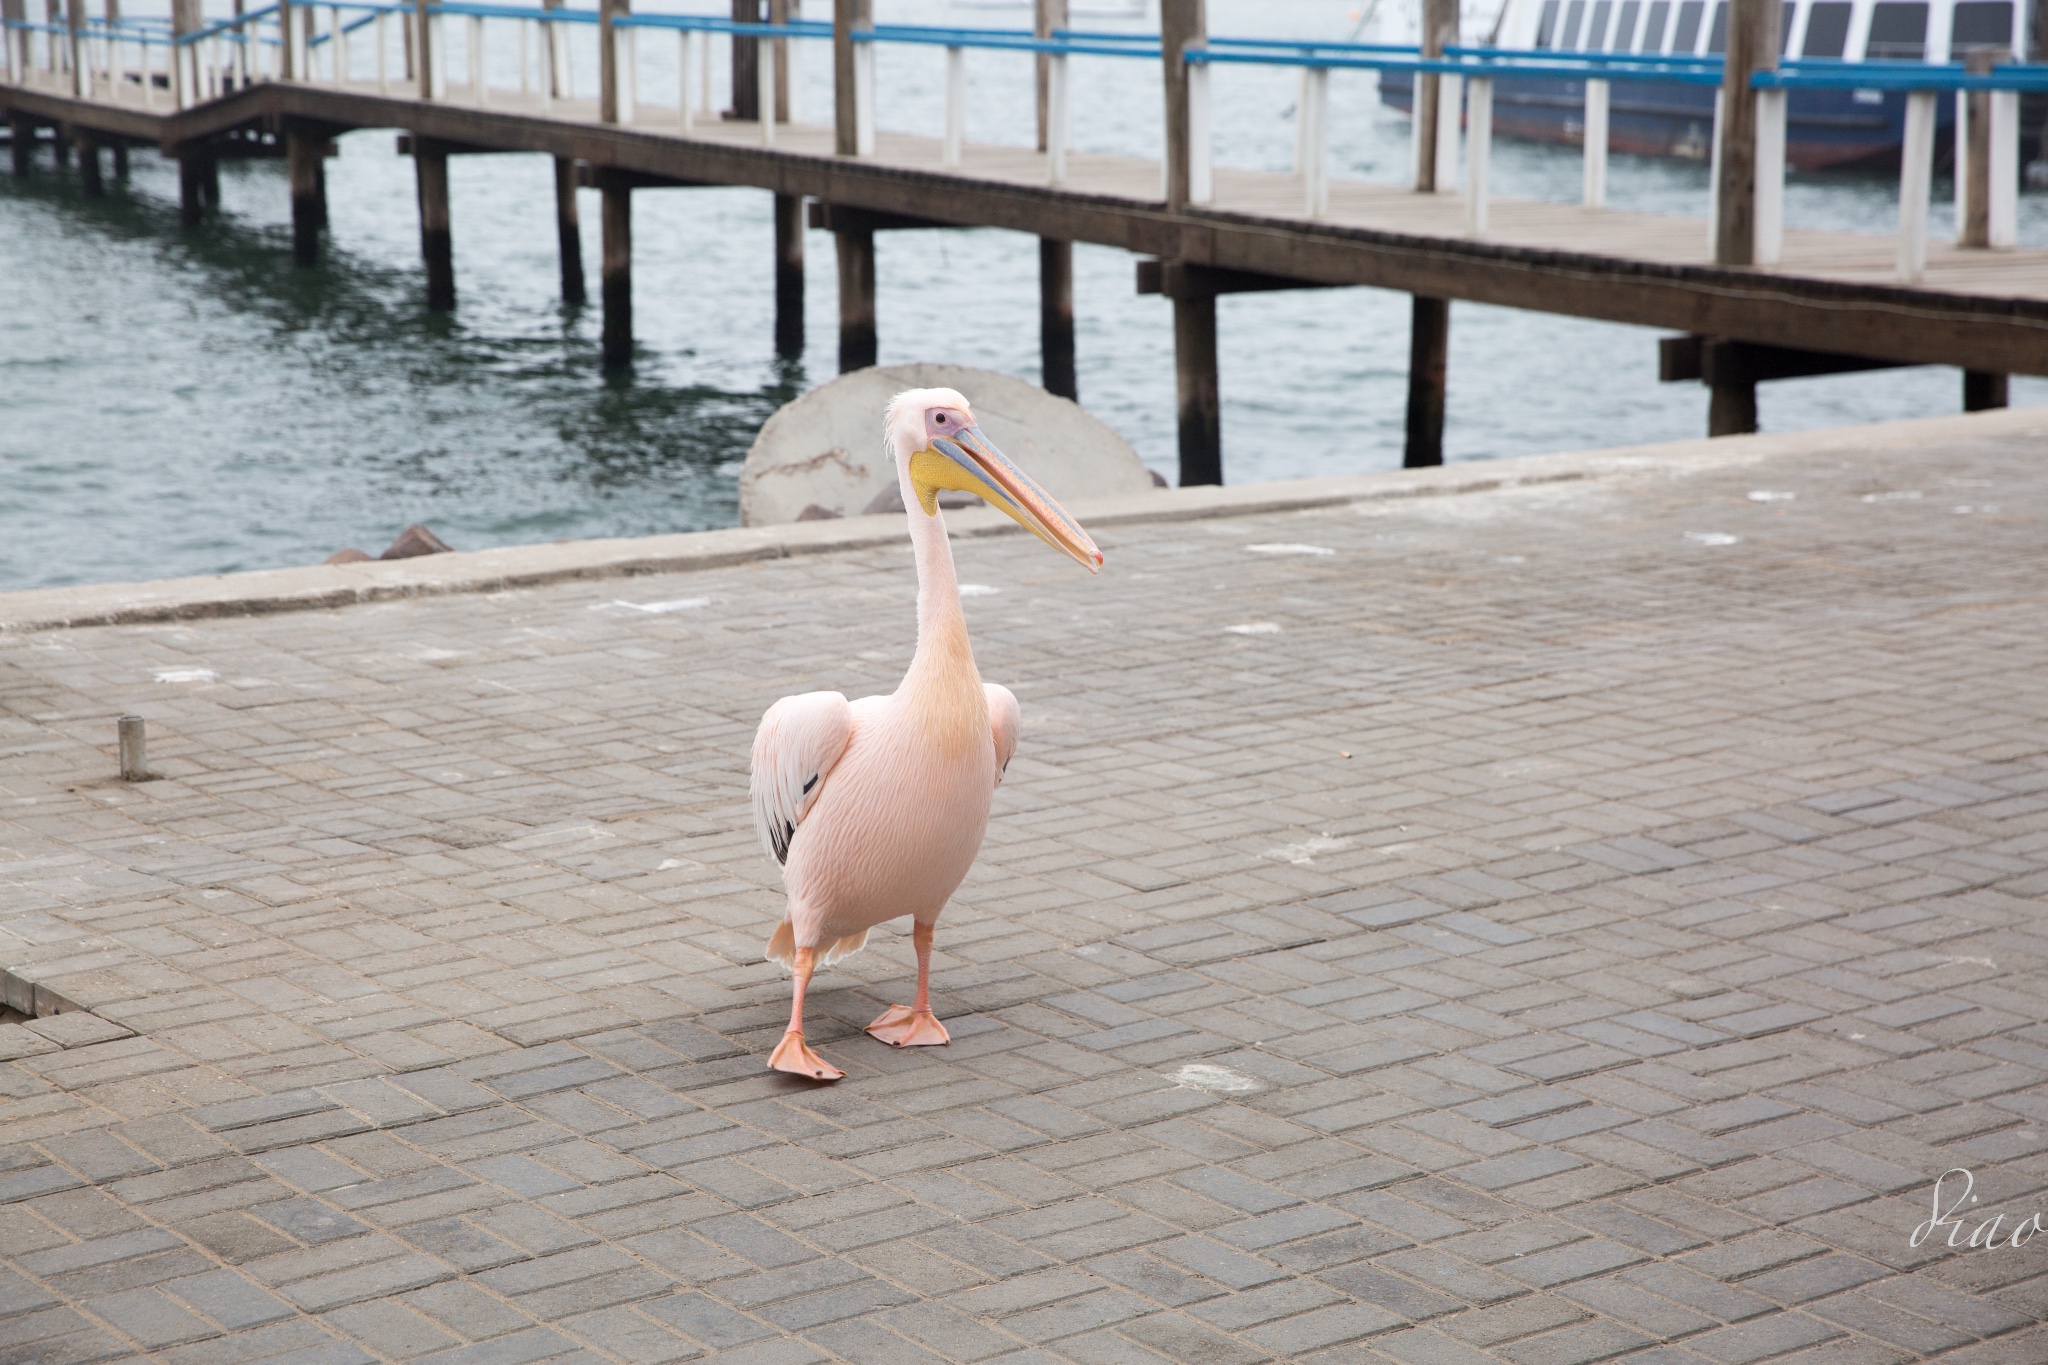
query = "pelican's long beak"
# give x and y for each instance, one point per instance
(969, 461)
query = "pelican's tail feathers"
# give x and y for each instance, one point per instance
(845, 947)
(782, 947)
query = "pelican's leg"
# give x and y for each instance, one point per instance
(914, 1025)
(791, 1054)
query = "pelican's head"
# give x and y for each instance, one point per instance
(935, 439)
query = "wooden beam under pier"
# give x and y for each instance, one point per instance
(591, 177)
(829, 217)
(1179, 279)
(1716, 360)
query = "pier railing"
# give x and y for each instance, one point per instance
(324, 43)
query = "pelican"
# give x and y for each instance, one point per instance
(876, 808)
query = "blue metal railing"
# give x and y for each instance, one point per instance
(1468, 61)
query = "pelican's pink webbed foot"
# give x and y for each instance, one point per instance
(793, 1055)
(902, 1026)
(914, 1025)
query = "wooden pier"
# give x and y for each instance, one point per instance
(1831, 300)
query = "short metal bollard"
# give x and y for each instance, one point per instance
(134, 750)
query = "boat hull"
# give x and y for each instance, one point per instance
(1824, 129)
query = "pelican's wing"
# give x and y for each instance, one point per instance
(1003, 720)
(799, 740)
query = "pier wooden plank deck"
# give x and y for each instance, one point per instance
(1834, 291)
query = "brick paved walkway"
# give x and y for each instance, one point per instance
(1526, 926)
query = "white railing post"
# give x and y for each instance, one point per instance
(1595, 187)
(1301, 123)
(341, 61)
(2005, 169)
(704, 76)
(630, 111)
(764, 89)
(1201, 137)
(1478, 152)
(1057, 119)
(1770, 177)
(1315, 170)
(685, 40)
(525, 59)
(1450, 99)
(383, 61)
(476, 59)
(864, 99)
(551, 65)
(956, 107)
(1916, 172)
(1962, 167)
(1714, 175)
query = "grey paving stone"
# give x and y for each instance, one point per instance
(229, 1299)
(151, 1318)
(1675, 929)
(309, 1220)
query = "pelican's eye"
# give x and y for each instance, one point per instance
(944, 423)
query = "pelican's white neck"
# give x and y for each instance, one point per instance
(941, 624)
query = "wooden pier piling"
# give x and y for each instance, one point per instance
(1055, 255)
(1182, 24)
(1199, 409)
(746, 57)
(430, 168)
(89, 181)
(1056, 317)
(781, 12)
(305, 150)
(1752, 47)
(789, 275)
(1429, 350)
(1731, 408)
(615, 284)
(22, 134)
(191, 189)
(1439, 28)
(857, 341)
(569, 232)
(1974, 172)
(1983, 391)
(1196, 389)
(119, 151)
